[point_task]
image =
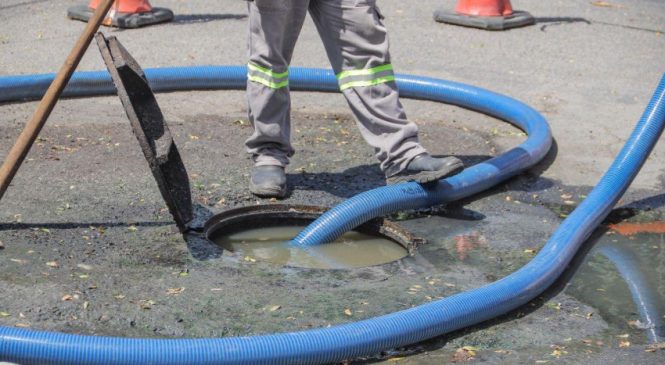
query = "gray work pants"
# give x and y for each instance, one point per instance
(356, 42)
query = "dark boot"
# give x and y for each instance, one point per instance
(268, 181)
(425, 168)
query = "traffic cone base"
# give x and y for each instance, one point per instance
(139, 14)
(485, 14)
(515, 20)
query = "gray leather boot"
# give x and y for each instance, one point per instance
(268, 181)
(425, 168)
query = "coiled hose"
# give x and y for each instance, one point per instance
(366, 337)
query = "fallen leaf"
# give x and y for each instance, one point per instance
(625, 335)
(604, 4)
(464, 354)
(67, 298)
(2, 245)
(132, 228)
(86, 305)
(146, 304)
(558, 351)
(624, 344)
(348, 312)
(175, 291)
(19, 261)
(4, 314)
(250, 259)
(470, 349)
(274, 308)
(53, 264)
(530, 251)
(84, 267)
(84, 276)
(22, 325)
(566, 196)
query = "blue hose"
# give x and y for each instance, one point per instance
(367, 337)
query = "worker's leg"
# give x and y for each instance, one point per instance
(356, 41)
(274, 26)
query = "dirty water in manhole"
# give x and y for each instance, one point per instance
(262, 233)
(352, 250)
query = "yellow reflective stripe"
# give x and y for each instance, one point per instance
(268, 83)
(367, 72)
(379, 80)
(269, 73)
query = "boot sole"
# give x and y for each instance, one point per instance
(425, 177)
(264, 192)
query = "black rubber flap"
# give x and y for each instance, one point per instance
(124, 20)
(517, 19)
(149, 128)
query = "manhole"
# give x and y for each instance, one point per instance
(262, 233)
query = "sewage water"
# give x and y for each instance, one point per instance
(352, 250)
(624, 278)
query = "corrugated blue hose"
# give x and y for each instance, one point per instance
(370, 336)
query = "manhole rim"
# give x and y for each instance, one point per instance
(380, 226)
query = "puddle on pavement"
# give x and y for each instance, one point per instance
(623, 277)
(352, 250)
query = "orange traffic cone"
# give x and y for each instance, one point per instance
(485, 14)
(124, 13)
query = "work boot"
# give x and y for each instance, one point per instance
(268, 181)
(425, 168)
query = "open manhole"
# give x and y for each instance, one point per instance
(262, 233)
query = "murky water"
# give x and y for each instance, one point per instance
(352, 250)
(624, 278)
